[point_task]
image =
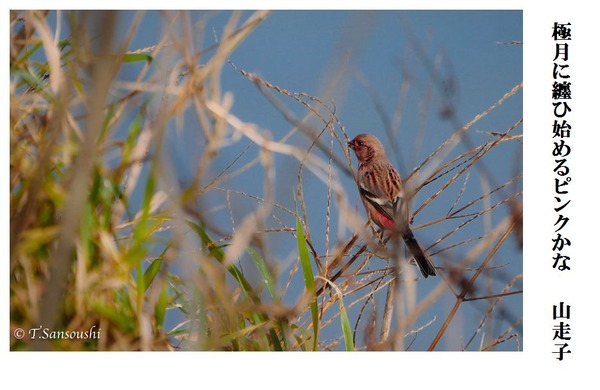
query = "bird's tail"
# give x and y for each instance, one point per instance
(419, 254)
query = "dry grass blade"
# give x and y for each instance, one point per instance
(103, 71)
(461, 297)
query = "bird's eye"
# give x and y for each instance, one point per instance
(360, 143)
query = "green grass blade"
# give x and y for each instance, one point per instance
(217, 252)
(137, 57)
(152, 271)
(161, 307)
(33, 81)
(214, 250)
(272, 289)
(26, 55)
(346, 328)
(115, 315)
(245, 286)
(141, 288)
(267, 278)
(309, 280)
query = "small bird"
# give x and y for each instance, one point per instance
(383, 195)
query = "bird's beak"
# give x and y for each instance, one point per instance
(351, 145)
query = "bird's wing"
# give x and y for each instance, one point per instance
(382, 205)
